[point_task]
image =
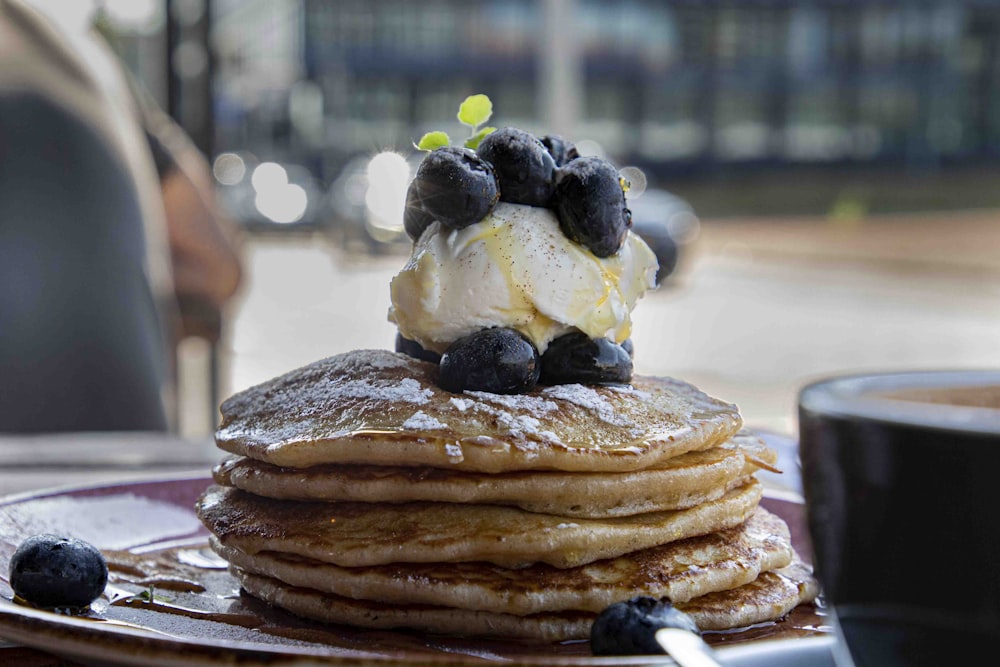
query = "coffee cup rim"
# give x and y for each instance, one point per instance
(856, 396)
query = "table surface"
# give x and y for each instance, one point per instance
(33, 462)
(29, 463)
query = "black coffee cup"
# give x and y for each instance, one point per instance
(901, 477)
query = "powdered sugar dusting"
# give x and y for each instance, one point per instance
(516, 425)
(525, 403)
(421, 421)
(378, 359)
(406, 390)
(629, 390)
(517, 415)
(586, 398)
(383, 361)
(460, 403)
(519, 425)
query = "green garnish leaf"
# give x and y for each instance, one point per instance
(475, 110)
(149, 595)
(473, 141)
(433, 140)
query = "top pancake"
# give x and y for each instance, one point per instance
(380, 407)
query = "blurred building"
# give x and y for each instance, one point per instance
(671, 85)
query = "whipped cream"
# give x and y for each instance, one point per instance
(515, 268)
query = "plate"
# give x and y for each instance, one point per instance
(151, 536)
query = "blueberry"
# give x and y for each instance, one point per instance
(455, 186)
(51, 571)
(629, 348)
(590, 204)
(561, 150)
(575, 357)
(415, 349)
(523, 165)
(415, 218)
(498, 360)
(629, 628)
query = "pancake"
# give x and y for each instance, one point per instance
(677, 483)
(768, 598)
(385, 408)
(364, 534)
(679, 570)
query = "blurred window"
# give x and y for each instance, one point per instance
(670, 83)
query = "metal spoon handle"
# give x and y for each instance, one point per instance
(686, 648)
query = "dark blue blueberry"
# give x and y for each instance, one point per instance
(51, 571)
(629, 628)
(415, 349)
(415, 218)
(576, 357)
(629, 348)
(561, 150)
(499, 360)
(455, 186)
(524, 167)
(590, 204)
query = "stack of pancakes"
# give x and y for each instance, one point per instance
(359, 492)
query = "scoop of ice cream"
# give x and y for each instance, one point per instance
(515, 268)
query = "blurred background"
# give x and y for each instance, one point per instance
(820, 178)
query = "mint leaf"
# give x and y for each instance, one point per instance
(475, 110)
(473, 141)
(433, 140)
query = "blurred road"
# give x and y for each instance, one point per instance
(757, 309)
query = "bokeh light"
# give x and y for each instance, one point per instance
(276, 198)
(229, 168)
(636, 179)
(388, 179)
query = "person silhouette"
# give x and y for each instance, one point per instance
(88, 300)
